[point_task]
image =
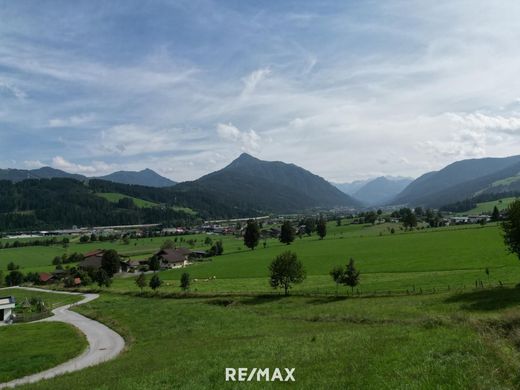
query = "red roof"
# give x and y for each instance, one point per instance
(45, 277)
(97, 252)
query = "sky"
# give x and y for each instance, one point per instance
(346, 89)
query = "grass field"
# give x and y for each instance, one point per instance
(417, 342)
(30, 348)
(487, 207)
(115, 197)
(443, 333)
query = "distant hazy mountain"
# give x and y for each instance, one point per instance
(252, 184)
(381, 190)
(16, 175)
(461, 180)
(352, 187)
(146, 177)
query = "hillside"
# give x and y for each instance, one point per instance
(380, 190)
(352, 187)
(263, 186)
(146, 177)
(16, 175)
(461, 180)
(64, 202)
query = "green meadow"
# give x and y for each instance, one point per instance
(32, 347)
(487, 207)
(416, 320)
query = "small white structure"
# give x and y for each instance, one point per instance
(6, 310)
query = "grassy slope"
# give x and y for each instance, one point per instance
(115, 197)
(52, 300)
(30, 348)
(487, 207)
(436, 341)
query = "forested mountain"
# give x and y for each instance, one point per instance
(61, 202)
(264, 186)
(17, 175)
(146, 177)
(381, 190)
(462, 180)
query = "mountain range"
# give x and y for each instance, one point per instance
(269, 186)
(462, 180)
(146, 177)
(375, 192)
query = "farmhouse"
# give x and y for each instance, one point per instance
(174, 258)
(46, 278)
(6, 310)
(92, 260)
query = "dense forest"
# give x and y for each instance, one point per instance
(471, 203)
(62, 203)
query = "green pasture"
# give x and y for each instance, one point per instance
(487, 207)
(114, 197)
(417, 342)
(34, 347)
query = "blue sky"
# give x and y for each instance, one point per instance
(348, 90)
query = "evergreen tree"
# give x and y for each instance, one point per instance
(154, 263)
(252, 234)
(185, 281)
(495, 216)
(321, 228)
(511, 228)
(287, 233)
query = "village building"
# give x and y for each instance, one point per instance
(174, 258)
(46, 278)
(7, 310)
(92, 261)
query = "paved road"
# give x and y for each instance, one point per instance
(104, 343)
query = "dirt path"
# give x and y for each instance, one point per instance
(104, 343)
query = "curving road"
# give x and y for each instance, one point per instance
(104, 343)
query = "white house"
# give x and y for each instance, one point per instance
(6, 310)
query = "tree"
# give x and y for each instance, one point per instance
(351, 275)
(154, 263)
(310, 225)
(495, 216)
(168, 244)
(84, 239)
(409, 219)
(217, 249)
(185, 281)
(111, 262)
(102, 278)
(321, 228)
(337, 275)
(338, 221)
(511, 228)
(155, 282)
(14, 278)
(252, 234)
(140, 281)
(287, 233)
(286, 270)
(12, 266)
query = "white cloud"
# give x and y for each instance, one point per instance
(33, 164)
(253, 79)
(13, 89)
(72, 121)
(249, 141)
(94, 169)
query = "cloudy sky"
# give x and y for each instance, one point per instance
(344, 89)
